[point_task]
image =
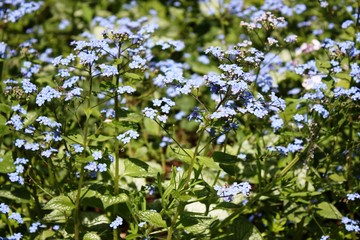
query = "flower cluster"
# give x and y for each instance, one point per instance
(164, 105)
(229, 192)
(116, 223)
(351, 225)
(13, 10)
(291, 147)
(127, 136)
(19, 165)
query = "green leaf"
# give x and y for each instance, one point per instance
(87, 12)
(209, 162)
(337, 178)
(182, 154)
(133, 76)
(88, 112)
(7, 163)
(108, 200)
(151, 127)
(90, 219)
(61, 203)
(132, 117)
(57, 216)
(15, 196)
(91, 236)
(195, 224)
(100, 138)
(328, 210)
(241, 228)
(74, 139)
(46, 234)
(4, 129)
(5, 108)
(137, 168)
(304, 194)
(224, 158)
(118, 61)
(153, 218)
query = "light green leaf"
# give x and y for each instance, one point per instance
(337, 178)
(61, 203)
(118, 61)
(91, 236)
(328, 210)
(304, 194)
(209, 162)
(132, 117)
(111, 200)
(5, 108)
(57, 216)
(151, 127)
(4, 129)
(100, 138)
(133, 76)
(88, 112)
(7, 163)
(184, 156)
(137, 168)
(153, 218)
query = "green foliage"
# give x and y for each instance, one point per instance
(110, 160)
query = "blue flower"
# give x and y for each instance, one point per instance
(17, 217)
(4, 208)
(78, 148)
(204, 59)
(228, 192)
(137, 62)
(87, 58)
(97, 155)
(64, 24)
(127, 136)
(321, 110)
(28, 86)
(290, 39)
(116, 223)
(47, 94)
(16, 122)
(91, 166)
(47, 153)
(276, 122)
(351, 225)
(125, 89)
(15, 236)
(353, 196)
(347, 24)
(149, 112)
(102, 167)
(108, 70)
(34, 226)
(48, 122)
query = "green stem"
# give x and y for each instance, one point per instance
(181, 206)
(117, 146)
(77, 219)
(269, 187)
